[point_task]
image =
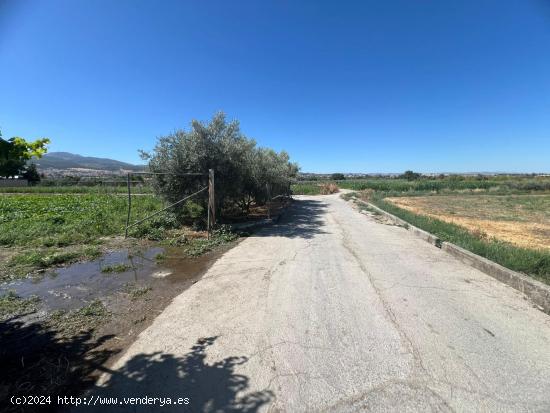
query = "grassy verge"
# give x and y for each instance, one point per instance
(535, 263)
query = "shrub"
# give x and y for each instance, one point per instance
(329, 188)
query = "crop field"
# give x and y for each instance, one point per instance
(523, 220)
(505, 218)
(37, 231)
(502, 184)
(76, 189)
(315, 188)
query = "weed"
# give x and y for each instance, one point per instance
(84, 319)
(135, 292)
(115, 268)
(11, 305)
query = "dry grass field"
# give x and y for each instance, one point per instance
(523, 220)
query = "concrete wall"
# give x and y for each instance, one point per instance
(10, 183)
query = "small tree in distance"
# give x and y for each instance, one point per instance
(337, 177)
(410, 175)
(31, 174)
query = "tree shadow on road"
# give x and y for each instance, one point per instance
(210, 387)
(303, 219)
(35, 359)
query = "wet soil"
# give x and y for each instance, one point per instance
(39, 358)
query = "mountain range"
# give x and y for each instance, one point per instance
(66, 160)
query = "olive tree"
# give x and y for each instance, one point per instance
(243, 171)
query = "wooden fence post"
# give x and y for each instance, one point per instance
(268, 203)
(211, 202)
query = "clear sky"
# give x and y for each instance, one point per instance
(365, 86)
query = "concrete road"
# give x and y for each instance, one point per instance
(333, 311)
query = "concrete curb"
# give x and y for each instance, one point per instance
(538, 292)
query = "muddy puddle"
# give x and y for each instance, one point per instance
(36, 351)
(79, 284)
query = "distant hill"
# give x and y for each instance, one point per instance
(66, 160)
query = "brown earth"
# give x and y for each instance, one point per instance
(490, 216)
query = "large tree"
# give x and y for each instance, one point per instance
(243, 170)
(15, 152)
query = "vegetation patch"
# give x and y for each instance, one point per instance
(137, 291)
(306, 188)
(453, 183)
(50, 230)
(199, 246)
(11, 305)
(70, 323)
(314, 188)
(329, 188)
(116, 268)
(28, 260)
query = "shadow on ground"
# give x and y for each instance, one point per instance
(303, 219)
(209, 387)
(36, 360)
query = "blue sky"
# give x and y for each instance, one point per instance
(366, 86)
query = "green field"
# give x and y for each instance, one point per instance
(451, 184)
(394, 186)
(76, 189)
(37, 231)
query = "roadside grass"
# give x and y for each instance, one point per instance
(533, 262)
(199, 246)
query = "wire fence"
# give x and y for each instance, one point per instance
(211, 210)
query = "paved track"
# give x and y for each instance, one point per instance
(332, 311)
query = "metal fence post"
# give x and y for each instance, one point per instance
(211, 202)
(129, 204)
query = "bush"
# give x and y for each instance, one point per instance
(329, 188)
